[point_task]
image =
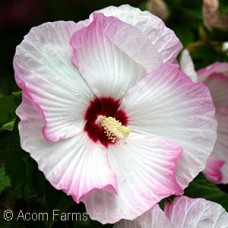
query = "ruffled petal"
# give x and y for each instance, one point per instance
(154, 218)
(213, 169)
(224, 173)
(145, 169)
(220, 150)
(218, 86)
(163, 38)
(166, 103)
(76, 165)
(218, 67)
(112, 55)
(198, 213)
(187, 65)
(44, 69)
(182, 212)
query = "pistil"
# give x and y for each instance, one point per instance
(114, 129)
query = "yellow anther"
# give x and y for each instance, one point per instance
(114, 129)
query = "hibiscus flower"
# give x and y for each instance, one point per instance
(181, 212)
(107, 116)
(215, 77)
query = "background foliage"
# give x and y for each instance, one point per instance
(22, 185)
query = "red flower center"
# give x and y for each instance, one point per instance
(107, 107)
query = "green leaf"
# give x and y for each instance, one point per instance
(200, 187)
(8, 126)
(4, 179)
(8, 106)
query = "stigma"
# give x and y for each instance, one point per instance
(114, 129)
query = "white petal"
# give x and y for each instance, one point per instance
(76, 165)
(102, 55)
(187, 65)
(185, 212)
(166, 103)
(164, 39)
(145, 169)
(44, 69)
(154, 218)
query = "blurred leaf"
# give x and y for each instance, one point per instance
(17, 94)
(14, 159)
(185, 35)
(187, 13)
(203, 54)
(8, 126)
(200, 187)
(191, 13)
(143, 6)
(7, 112)
(8, 105)
(223, 7)
(220, 35)
(4, 84)
(4, 179)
